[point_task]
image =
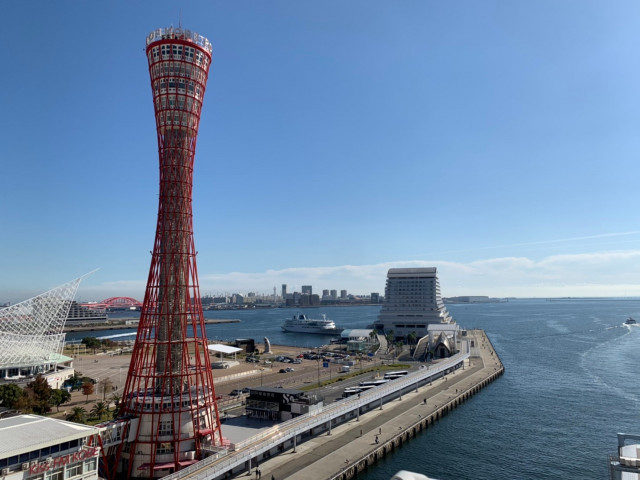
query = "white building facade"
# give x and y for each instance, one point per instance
(412, 302)
(41, 448)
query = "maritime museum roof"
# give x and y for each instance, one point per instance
(31, 331)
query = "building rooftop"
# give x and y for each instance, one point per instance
(287, 391)
(25, 433)
(423, 272)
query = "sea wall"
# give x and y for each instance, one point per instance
(398, 440)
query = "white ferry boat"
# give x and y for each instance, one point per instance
(299, 323)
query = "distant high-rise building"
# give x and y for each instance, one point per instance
(412, 301)
(284, 291)
(375, 297)
(325, 293)
(333, 294)
(343, 294)
(308, 289)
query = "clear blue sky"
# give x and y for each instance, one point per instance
(498, 141)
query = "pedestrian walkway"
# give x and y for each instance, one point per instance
(325, 456)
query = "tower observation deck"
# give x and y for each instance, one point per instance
(169, 386)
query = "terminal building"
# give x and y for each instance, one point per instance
(280, 403)
(36, 448)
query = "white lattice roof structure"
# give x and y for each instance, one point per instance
(31, 331)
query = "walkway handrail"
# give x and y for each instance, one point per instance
(253, 446)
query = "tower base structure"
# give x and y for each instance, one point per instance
(159, 455)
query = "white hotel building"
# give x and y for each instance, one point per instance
(412, 302)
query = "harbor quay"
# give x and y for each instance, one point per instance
(351, 435)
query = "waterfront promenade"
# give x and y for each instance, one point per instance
(352, 445)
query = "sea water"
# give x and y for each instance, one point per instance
(571, 384)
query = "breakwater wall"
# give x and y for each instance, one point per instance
(387, 447)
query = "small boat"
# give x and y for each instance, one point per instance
(301, 324)
(630, 321)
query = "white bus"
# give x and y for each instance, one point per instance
(396, 374)
(373, 383)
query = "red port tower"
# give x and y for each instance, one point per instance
(169, 388)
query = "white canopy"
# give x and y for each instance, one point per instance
(218, 347)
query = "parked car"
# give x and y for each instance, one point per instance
(239, 391)
(288, 369)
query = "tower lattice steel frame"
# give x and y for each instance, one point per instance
(169, 386)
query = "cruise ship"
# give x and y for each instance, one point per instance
(299, 323)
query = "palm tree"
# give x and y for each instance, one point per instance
(398, 348)
(390, 336)
(100, 409)
(77, 415)
(411, 340)
(116, 398)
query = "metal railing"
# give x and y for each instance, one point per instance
(278, 434)
(179, 33)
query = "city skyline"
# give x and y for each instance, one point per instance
(495, 141)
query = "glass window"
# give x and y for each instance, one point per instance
(73, 470)
(166, 427)
(90, 465)
(55, 474)
(166, 447)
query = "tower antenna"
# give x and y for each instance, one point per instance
(180, 20)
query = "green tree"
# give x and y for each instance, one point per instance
(398, 348)
(41, 394)
(10, 394)
(77, 415)
(58, 397)
(99, 410)
(411, 338)
(390, 336)
(87, 389)
(25, 403)
(92, 342)
(116, 398)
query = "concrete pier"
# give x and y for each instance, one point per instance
(345, 453)
(341, 448)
